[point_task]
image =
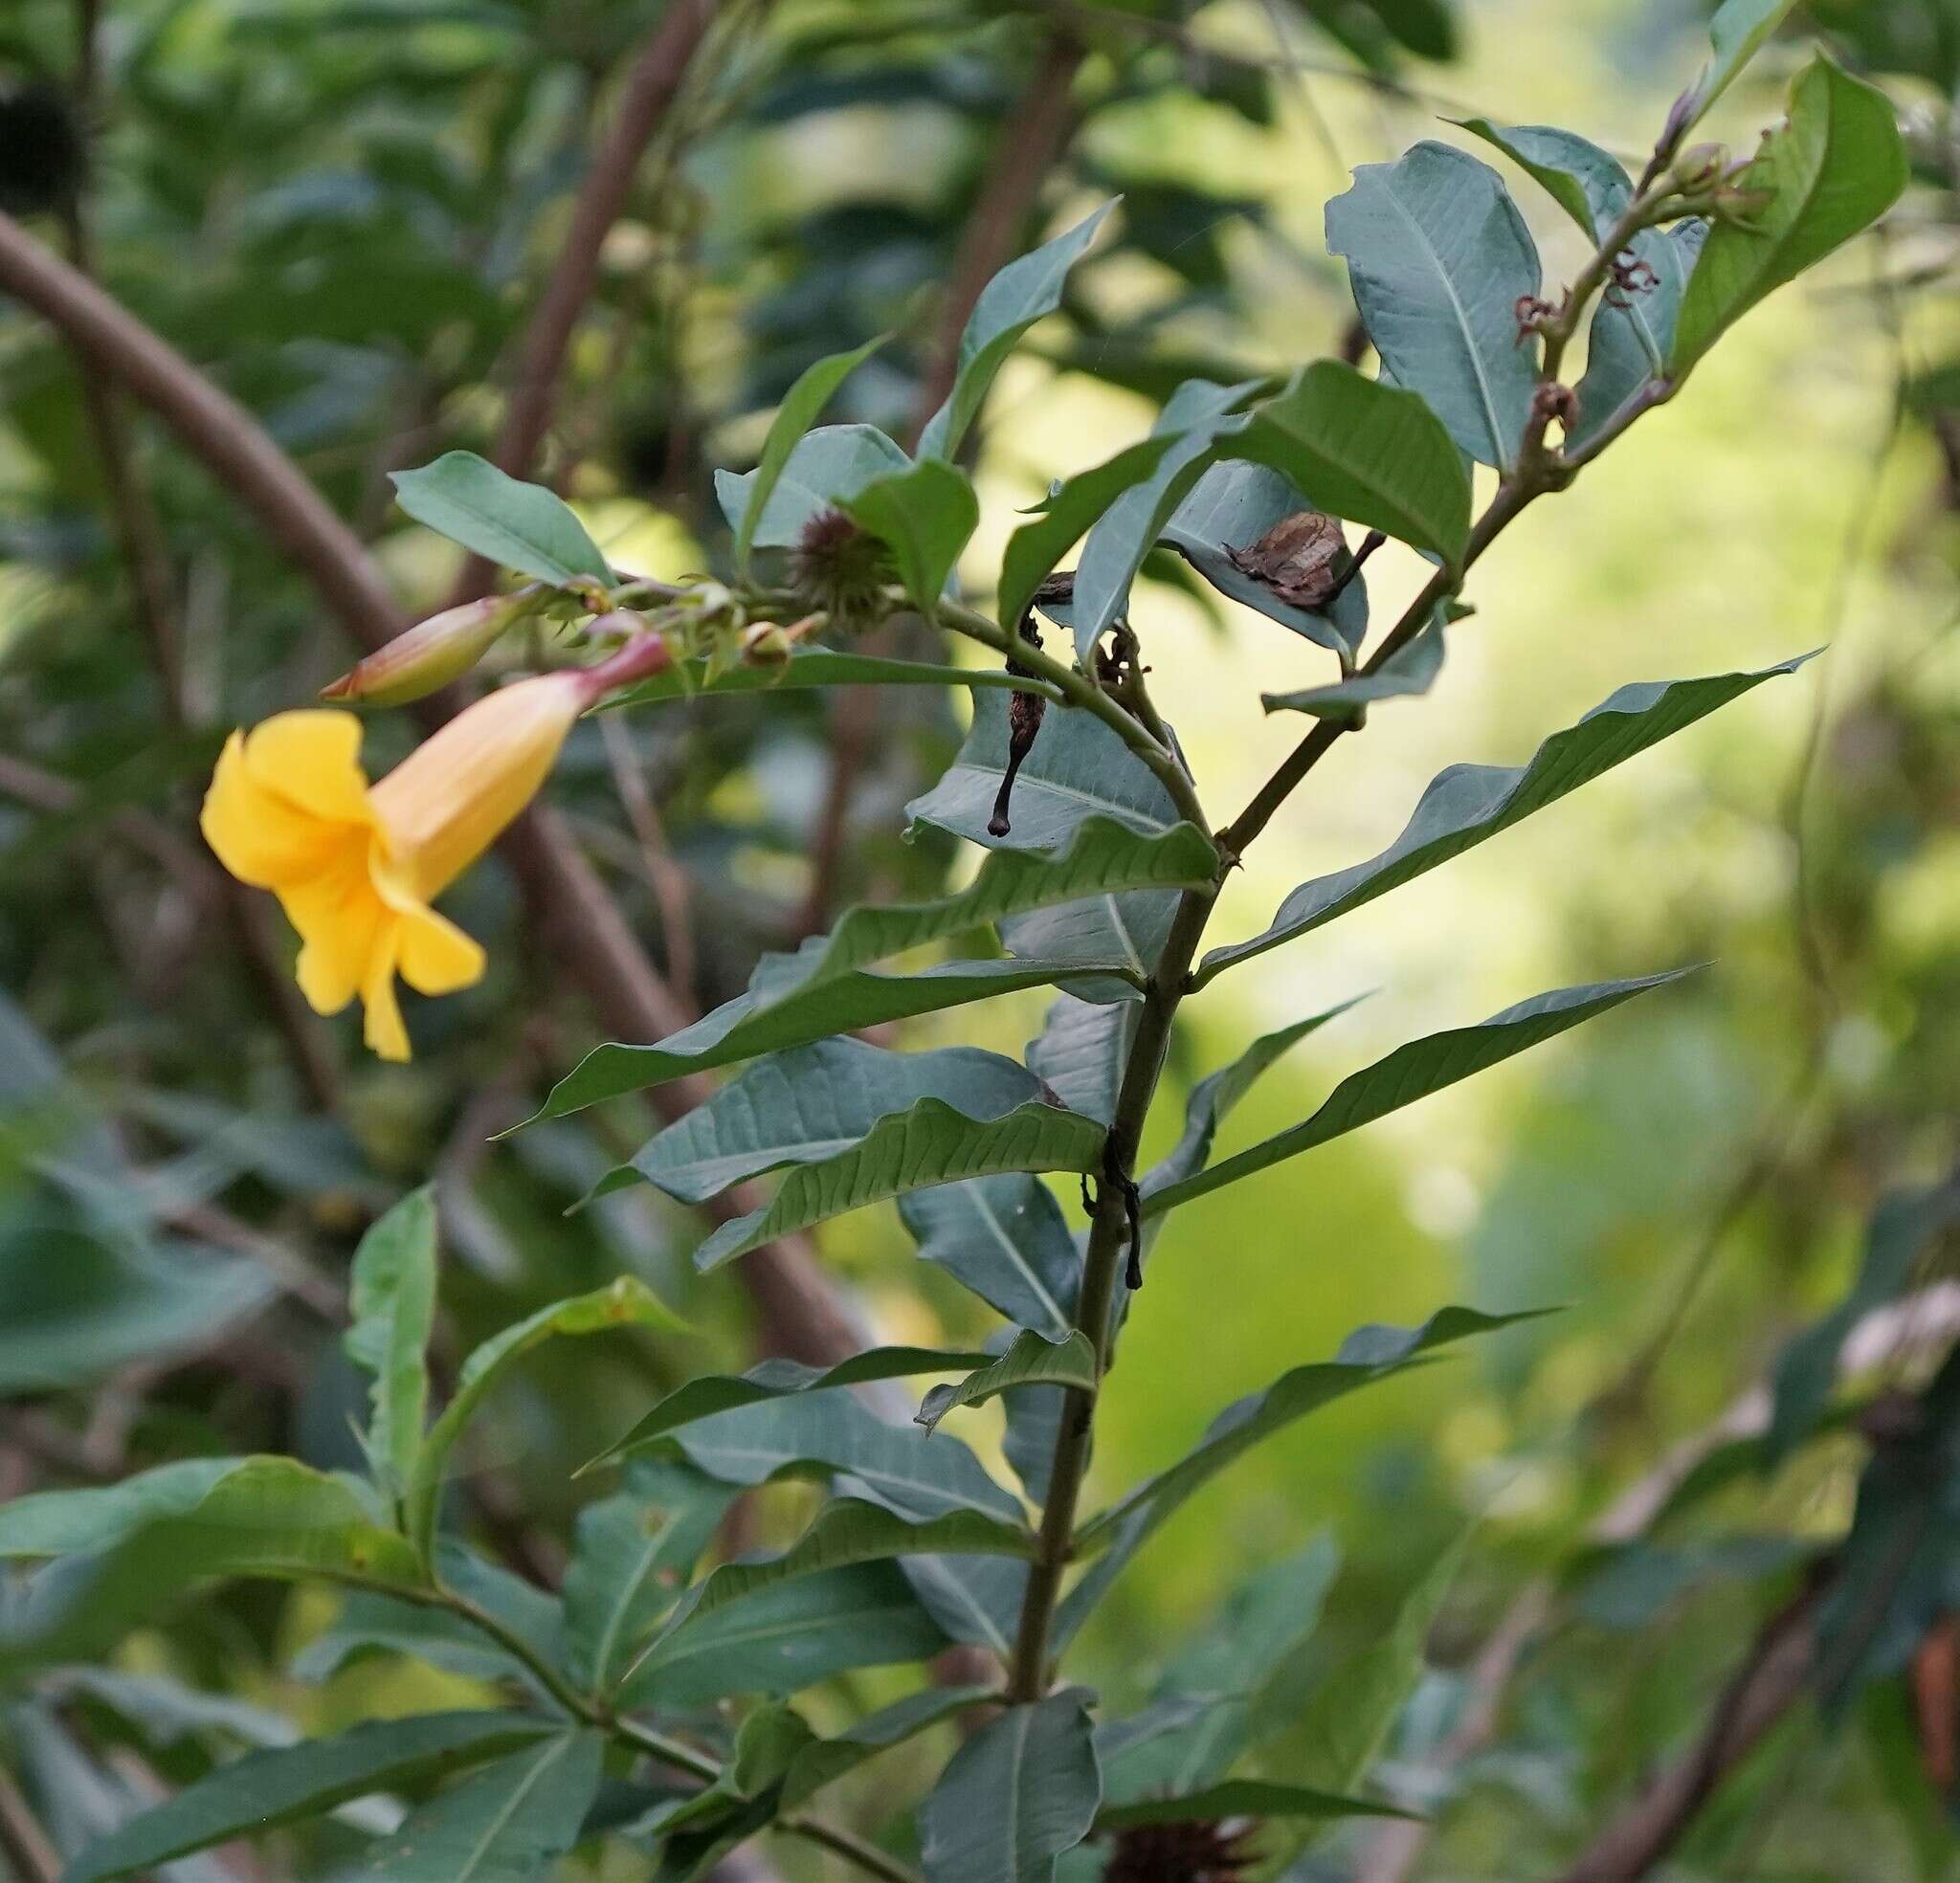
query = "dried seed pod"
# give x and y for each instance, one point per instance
(1025, 712)
(1298, 558)
(1199, 1851)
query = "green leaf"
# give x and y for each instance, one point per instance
(765, 1743)
(788, 1637)
(1468, 803)
(1035, 549)
(1629, 346)
(809, 667)
(828, 465)
(1834, 168)
(632, 1556)
(506, 1822)
(265, 1789)
(1006, 1239)
(1194, 418)
(1030, 1361)
(265, 1517)
(1230, 507)
(1585, 181)
(710, 1393)
(391, 1297)
(815, 1103)
(1407, 675)
(1439, 257)
(929, 1143)
(1243, 1798)
(1737, 33)
(68, 1522)
(1016, 1795)
(1079, 1054)
(748, 1026)
(1372, 453)
(1022, 293)
(794, 417)
(925, 517)
(829, 1760)
(625, 1301)
(518, 526)
(1368, 1354)
(1413, 1072)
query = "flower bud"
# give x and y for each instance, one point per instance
(1699, 167)
(431, 653)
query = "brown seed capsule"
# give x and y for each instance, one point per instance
(1298, 558)
(1199, 1851)
(1025, 712)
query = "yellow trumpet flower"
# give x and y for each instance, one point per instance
(356, 865)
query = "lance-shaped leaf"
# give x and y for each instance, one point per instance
(1439, 257)
(816, 1102)
(710, 1393)
(1630, 346)
(1196, 415)
(1005, 1238)
(1736, 33)
(518, 526)
(1020, 1792)
(624, 1302)
(1030, 1361)
(930, 1144)
(392, 1297)
(634, 1554)
(1035, 549)
(265, 1517)
(1368, 1354)
(817, 667)
(794, 417)
(1244, 1798)
(1585, 181)
(827, 466)
(923, 516)
(1413, 1072)
(1468, 803)
(68, 1522)
(1407, 675)
(789, 1638)
(1230, 508)
(1025, 291)
(264, 1790)
(1835, 167)
(1080, 1052)
(829, 1760)
(1375, 455)
(506, 1822)
(1034, 1423)
(748, 1026)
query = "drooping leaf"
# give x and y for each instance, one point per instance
(827, 466)
(632, 1556)
(710, 1393)
(826, 1760)
(1194, 418)
(1438, 258)
(1028, 1442)
(516, 525)
(748, 1025)
(1035, 549)
(1021, 1791)
(1834, 168)
(794, 417)
(1736, 32)
(1006, 1239)
(788, 1637)
(392, 1299)
(68, 1522)
(265, 1789)
(925, 517)
(1585, 181)
(625, 1301)
(1407, 675)
(1025, 291)
(817, 667)
(1244, 1798)
(1030, 1361)
(1375, 455)
(505, 1823)
(929, 1143)
(1079, 1054)
(1413, 1072)
(1468, 803)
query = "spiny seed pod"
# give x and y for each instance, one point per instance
(43, 150)
(1699, 167)
(431, 653)
(1200, 1852)
(841, 570)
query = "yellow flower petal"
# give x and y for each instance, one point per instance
(312, 758)
(340, 919)
(384, 1030)
(437, 958)
(259, 836)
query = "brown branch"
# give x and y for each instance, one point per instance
(27, 1847)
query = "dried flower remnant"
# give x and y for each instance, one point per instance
(1304, 559)
(1025, 711)
(1199, 1851)
(840, 570)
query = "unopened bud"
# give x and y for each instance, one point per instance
(1699, 167)
(766, 644)
(430, 655)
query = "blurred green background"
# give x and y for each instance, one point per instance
(342, 213)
